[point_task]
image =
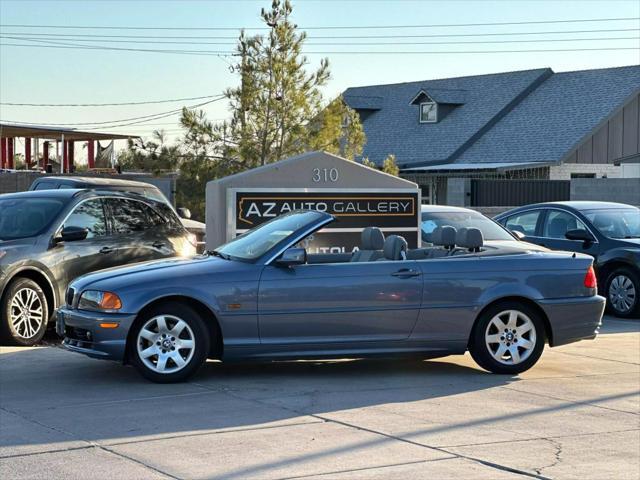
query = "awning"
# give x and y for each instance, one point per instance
(9, 130)
(457, 167)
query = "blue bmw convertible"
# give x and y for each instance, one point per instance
(262, 297)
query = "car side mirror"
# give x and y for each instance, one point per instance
(72, 234)
(292, 256)
(184, 213)
(579, 234)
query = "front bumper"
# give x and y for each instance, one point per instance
(82, 333)
(575, 319)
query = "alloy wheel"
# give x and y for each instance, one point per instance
(165, 344)
(26, 312)
(622, 293)
(510, 337)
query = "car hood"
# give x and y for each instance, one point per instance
(161, 273)
(193, 224)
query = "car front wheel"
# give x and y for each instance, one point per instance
(169, 343)
(623, 292)
(508, 338)
(25, 313)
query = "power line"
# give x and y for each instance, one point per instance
(337, 27)
(155, 116)
(148, 102)
(361, 52)
(459, 42)
(321, 37)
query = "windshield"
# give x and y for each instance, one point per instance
(616, 223)
(27, 217)
(490, 230)
(258, 241)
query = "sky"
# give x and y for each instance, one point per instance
(39, 74)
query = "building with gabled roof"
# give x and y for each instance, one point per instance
(524, 124)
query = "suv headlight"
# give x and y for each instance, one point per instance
(99, 301)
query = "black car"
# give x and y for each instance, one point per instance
(116, 184)
(610, 232)
(50, 237)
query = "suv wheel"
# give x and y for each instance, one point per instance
(25, 313)
(623, 292)
(508, 338)
(169, 343)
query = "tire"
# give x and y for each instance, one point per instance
(492, 347)
(622, 289)
(169, 343)
(24, 313)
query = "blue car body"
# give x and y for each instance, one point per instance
(263, 310)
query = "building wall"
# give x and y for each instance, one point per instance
(564, 171)
(618, 137)
(622, 190)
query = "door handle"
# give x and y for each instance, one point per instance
(405, 273)
(157, 244)
(105, 250)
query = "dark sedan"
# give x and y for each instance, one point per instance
(50, 237)
(609, 232)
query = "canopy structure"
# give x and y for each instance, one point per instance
(64, 137)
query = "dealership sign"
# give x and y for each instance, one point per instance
(395, 211)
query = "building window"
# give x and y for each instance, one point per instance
(428, 112)
(583, 175)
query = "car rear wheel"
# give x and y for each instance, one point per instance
(169, 343)
(508, 338)
(25, 313)
(623, 293)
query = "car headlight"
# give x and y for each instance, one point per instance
(100, 301)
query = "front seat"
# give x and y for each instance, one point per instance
(371, 244)
(395, 248)
(469, 239)
(558, 227)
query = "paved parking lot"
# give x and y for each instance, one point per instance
(575, 415)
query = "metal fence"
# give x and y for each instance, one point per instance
(489, 193)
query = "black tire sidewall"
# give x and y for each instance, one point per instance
(8, 333)
(635, 279)
(480, 352)
(201, 340)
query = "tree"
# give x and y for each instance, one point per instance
(278, 109)
(390, 166)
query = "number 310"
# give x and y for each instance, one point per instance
(325, 175)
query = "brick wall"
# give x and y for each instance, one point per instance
(622, 190)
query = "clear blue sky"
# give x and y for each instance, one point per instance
(51, 75)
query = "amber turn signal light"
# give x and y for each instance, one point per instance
(110, 301)
(109, 325)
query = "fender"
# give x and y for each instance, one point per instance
(36, 267)
(627, 255)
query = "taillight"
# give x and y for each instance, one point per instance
(590, 280)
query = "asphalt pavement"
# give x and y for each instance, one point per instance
(574, 415)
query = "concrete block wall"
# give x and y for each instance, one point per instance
(564, 171)
(622, 190)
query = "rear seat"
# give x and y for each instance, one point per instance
(444, 239)
(469, 240)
